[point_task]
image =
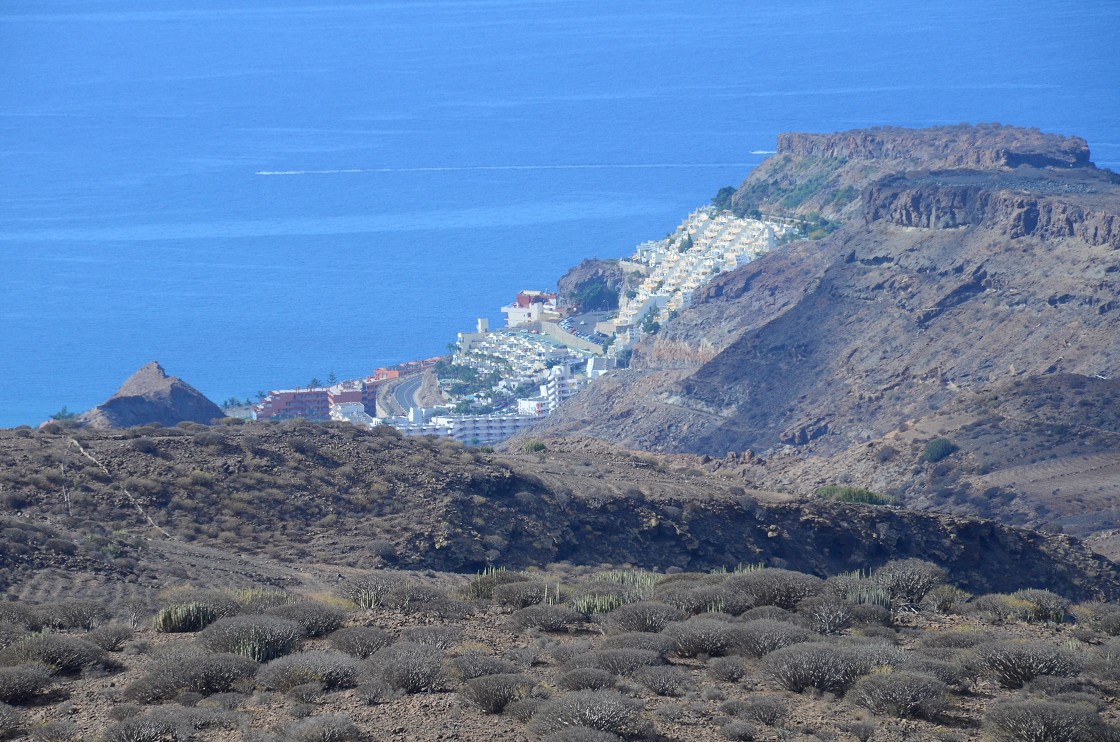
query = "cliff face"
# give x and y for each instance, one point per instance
(151, 396)
(826, 173)
(984, 147)
(942, 285)
(1027, 202)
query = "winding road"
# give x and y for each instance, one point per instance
(405, 392)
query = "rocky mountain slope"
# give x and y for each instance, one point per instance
(335, 497)
(151, 396)
(945, 287)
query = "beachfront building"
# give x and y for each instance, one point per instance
(529, 307)
(706, 244)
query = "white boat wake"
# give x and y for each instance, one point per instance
(468, 168)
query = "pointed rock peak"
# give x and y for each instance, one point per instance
(150, 377)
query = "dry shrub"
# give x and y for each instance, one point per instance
(63, 653)
(780, 587)
(335, 728)
(909, 580)
(360, 641)
(1045, 721)
(954, 639)
(371, 589)
(10, 721)
(111, 637)
(317, 619)
(759, 638)
(167, 722)
(21, 683)
(826, 667)
(901, 694)
(409, 667)
(580, 734)
(587, 678)
(727, 669)
(331, 669)
(471, 665)
(765, 709)
(10, 633)
(617, 661)
(644, 616)
(601, 710)
(825, 614)
(1014, 663)
(260, 638)
(739, 730)
(492, 693)
(520, 594)
(204, 674)
(700, 635)
(546, 618)
(442, 637)
(81, 615)
(664, 680)
(660, 643)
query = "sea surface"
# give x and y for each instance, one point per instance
(255, 193)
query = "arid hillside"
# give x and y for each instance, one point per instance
(330, 498)
(946, 293)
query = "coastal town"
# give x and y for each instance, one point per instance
(500, 381)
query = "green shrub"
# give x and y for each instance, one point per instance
(329, 668)
(901, 694)
(492, 693)
(183, 617)
(534, 446)
(938, 449)
(260, 638)
(853, 494)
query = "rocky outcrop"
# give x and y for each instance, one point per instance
(593, 284)
(983, 147)
(826, 173)
(1082, 204)
(949, 280)
(151, 396)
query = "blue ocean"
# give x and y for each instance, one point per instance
(258, 192)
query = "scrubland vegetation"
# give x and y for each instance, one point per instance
(577, 655)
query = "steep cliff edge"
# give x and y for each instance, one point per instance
(943, 286)
(826, 173)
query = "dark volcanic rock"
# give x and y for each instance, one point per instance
(151, 396)
(592, 278)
